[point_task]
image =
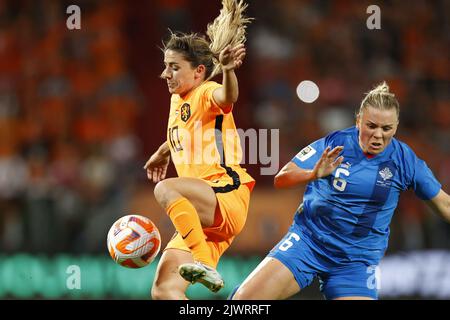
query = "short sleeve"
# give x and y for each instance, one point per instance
(208, 102)
(308, 156)
(425, 185)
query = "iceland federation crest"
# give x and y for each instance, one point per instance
(386, 174)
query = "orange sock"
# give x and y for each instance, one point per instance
(186, 221)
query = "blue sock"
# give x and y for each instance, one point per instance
(230, 297)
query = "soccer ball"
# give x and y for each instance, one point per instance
(133, 241)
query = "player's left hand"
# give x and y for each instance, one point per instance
(156, 167)
(232, 58)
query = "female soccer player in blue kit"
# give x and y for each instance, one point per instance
(340, 231)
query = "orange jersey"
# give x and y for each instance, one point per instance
(203, 139)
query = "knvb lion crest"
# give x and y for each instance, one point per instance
(185, 112)
(386, 174)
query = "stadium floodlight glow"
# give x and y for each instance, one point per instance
(307, 91)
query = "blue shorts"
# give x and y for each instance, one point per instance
(337, 279)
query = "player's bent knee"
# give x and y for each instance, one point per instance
(155, 294)
(160, 190)
(165, 193)
(158, 294)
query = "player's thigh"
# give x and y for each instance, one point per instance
(167, 280)
(269, 281)
(197, 191)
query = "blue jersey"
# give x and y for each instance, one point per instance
(347, 214)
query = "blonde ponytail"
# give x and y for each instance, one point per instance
(229, 28)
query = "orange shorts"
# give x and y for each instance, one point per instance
(230, 216)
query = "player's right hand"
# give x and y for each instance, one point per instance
(156, 167)
(328, 162)
(232, 58)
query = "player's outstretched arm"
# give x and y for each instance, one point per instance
(292, 175)
(157, 165)
(230, 59)
(441, 205)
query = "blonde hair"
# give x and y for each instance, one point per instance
(380, 98)
(229, 28)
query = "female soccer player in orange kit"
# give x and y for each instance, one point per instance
(208, 201)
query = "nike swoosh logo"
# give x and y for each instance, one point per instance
(184, 237)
